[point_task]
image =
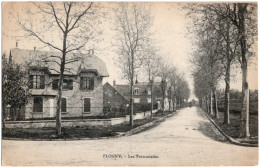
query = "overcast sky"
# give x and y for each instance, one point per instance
(169, 32)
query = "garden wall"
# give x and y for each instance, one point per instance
(91, 123)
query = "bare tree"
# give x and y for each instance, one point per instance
(133, 22)
(64, 27)
(164, 74)
(151, 66)
(174, 78)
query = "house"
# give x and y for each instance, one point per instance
(82, 90)
(142, 94)
(114, 102)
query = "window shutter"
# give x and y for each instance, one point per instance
(81, 83)
(87, 105)
(42, 83)
(31, 81)
(55, 84)
(70, 84)
(63, 105)
(91, 82)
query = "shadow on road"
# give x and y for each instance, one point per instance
(208, 129)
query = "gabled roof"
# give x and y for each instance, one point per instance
(35, 58)
(142, 87)
(110, 86)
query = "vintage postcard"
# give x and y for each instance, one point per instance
(129, 83)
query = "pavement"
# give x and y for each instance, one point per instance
(186, 139)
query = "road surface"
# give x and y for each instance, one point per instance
(187, 138)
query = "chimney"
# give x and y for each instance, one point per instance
(136, 81)
(34, 48)
(114, 83)
(16, 44)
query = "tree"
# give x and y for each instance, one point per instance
(173, 80)
(151, 66)
(235, 24)
(164, 74)
(132, 24)
(64, 27)
(183, 91)
(244, 17)
(15, 87)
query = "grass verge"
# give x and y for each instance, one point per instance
(234, 130)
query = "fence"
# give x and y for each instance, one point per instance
(89, 123)
(49, 113)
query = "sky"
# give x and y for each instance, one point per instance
(169, 31)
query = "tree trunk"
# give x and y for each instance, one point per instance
(175, 103)
(216, 104)
(207, 104)
(131, 92)
(245, 103)
(151, 87)
(58, 109)
(226, 101)
(211, 102)
(163, 103)
(3, 118)
(174, 99)
(244, 66)
(169, 104)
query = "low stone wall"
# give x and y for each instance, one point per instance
(91, 123)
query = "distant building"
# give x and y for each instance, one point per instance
(142, 94)
(82, 90)
(113, 100)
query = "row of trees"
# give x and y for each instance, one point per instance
(225, 36)
(137, 52)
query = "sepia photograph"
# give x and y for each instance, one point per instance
(129, 83)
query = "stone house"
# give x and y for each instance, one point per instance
(82, 90)
(113, 101)
(142, 94)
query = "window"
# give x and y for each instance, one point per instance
(87, 83)
(86, 105)
(63, 105)
(136, 100)
(36, 82)
(37, 104)
(148, 91)
(148, 100)
(136, 91)
(158, 99)
(67, 84)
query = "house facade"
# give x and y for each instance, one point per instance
(114, 102)
(142, 94)
(82, 90)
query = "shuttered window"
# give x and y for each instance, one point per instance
(67, 84)
(87, 83)
(36, 82)
(37, 104)
(87, 105)
(55, 84)
(63, 105)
